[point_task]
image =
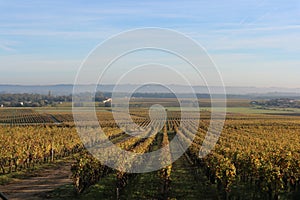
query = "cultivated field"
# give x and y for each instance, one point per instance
(256, 157)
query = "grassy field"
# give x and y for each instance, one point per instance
(241, 106)
(241, 110)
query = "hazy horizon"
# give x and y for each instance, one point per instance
(66, 89)
(110, 84)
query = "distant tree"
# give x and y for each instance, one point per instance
(107, 104)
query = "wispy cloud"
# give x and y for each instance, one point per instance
(289, 43)
(62, 34)
(256, 29)
(7, 45)
(244, 36)
(6, 48)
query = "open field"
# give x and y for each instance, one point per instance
(256, 157)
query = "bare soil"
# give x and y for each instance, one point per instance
(37, 186)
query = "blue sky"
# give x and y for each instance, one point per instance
(254, 43)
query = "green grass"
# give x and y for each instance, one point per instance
(253, 110)
(142, 186)
(145, 185)
(105, 189)
(186, 184)
(233, 106)
(241, 110)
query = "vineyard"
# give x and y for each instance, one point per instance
(256, 157)
(23, 116)
(33, 145)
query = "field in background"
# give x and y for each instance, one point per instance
(257, 156)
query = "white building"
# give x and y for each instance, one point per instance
(107, 100)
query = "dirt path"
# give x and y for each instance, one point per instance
(36, 187)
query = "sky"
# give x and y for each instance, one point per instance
(253, 43)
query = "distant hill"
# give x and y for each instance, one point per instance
(66, 89)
